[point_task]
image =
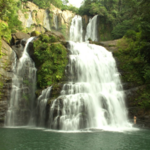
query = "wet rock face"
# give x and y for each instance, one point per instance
(3, 108)
(5, 79)
(134, 108)
(18, 42)
(85, 21)
(18, 50)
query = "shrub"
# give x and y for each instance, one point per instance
(130, 34)
(35, 33)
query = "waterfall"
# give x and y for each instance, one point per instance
(93, 97)
(14, 63)
(23, 90)
(92, 30)
(76, 29)
(46, 20)
(41, 106)
(29, 21)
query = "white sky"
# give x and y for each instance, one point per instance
(76, 3)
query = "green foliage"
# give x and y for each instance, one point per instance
(143, 98)
(121, 28)
(58, 3)
(26, 82)
(104, 29)
(51, 59)
(8, 13)
(70, 8)
(26, 16)
(35, 33)
(130, 61)
(133, 56)
(124, 15)
(130, 34)
(138, 42)
(48, 38)
(100, 7)
(5, 32)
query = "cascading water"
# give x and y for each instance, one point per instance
(46, 20)
(29, 21)
(93, 97)
(76, 29)
(91, 30)
(41, 106)
(23, 90)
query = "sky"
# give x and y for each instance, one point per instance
(76, 3)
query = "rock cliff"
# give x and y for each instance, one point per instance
(34, 18)
(6, 74)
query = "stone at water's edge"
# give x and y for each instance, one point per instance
(5, 79)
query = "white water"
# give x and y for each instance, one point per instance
(14, 64)
(46, 20)
(23, 90)
(41, 106)
(92, 30)
(29, 21)
(94, 98)
(76, 30)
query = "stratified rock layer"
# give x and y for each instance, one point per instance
(5, 78)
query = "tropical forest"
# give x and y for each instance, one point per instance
(74, 74)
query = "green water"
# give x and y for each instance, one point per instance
(29, 139)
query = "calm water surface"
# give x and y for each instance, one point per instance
(32, 139)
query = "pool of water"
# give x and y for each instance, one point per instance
(33, 139)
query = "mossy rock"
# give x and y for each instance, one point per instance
(35, 33)
(50, 58)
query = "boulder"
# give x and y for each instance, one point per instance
(31, 6)
(20, 36)
(56, 33)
